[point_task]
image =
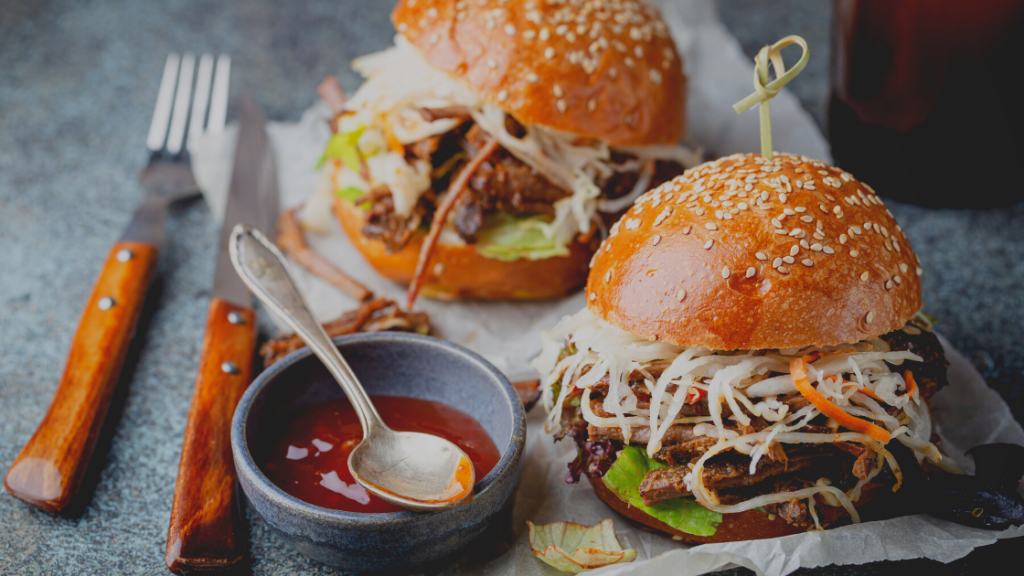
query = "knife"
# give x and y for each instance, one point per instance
(206, 530)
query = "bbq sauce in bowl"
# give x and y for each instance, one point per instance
(307, 454)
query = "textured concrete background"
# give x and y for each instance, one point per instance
(77, 85)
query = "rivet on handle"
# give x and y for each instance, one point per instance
(229, 368)
(125, 255)
(106, 303)
(236, 318)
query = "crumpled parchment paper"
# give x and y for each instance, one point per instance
(966, 413)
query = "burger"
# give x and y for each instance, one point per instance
(751, 357)
(532, 119)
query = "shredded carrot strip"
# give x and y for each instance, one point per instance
(798, 370)
(908, 377)
(456, 189)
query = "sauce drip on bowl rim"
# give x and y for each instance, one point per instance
(306, 454)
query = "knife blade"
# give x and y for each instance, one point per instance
(207, 531)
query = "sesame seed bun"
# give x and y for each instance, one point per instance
(749, 525)
(735, 255)
(461, 272)
(610, 72)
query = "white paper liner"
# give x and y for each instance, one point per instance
(966, 413)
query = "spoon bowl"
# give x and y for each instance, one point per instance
(418, 471)
(391, 466)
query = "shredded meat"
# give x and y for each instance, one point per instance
(663, 484)
(376, 316)
(930, 374)
(792, 511)
(502, 183)
(384, 224)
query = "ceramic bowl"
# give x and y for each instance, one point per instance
(395, 364)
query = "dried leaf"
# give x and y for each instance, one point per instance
(574, 548)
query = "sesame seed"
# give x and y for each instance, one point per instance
(557, 91)
(607, 275)
(492, 63)
(545, 34)
(807, 262)
(726, 272)
(794, 250)
(854, 253)
(828, 250)
(549, 52)
(711, 226)
(432, 13)
(687, 230)
(591, 105)
(776, 223)
(761, 256)
(438, 269)
(843, 238)
(632, 223)
(510, 29)
(807, 219)
(800, 209)
(560, 104)
(654, 75)
(593, 296)
(864, 277)
(656, 239)
(629, 62)
(435, 38)
(502, 95)
(403, 27)
(532, 78)
(789, 212)
(529, 34)
(751, 271)
(777, 262)
(681, 295)
(903, 267)
(709, 244)
(783, 270)
(782, 231)
(788, 259)
(919, 271)
(888, 284)
(871, 316)
(782, 197)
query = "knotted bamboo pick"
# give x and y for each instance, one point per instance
(765, 91)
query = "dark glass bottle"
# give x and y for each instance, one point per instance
(927, 100)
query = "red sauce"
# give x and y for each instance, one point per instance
(308, 453)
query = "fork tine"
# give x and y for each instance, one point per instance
(201, 100)
(162, 111)
(181, 103)
(219, 106)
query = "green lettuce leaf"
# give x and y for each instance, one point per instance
(683, 514)
(506, 237)
(343, 146)
(350, 193)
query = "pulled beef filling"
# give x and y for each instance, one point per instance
(783, 468)
(503, 183)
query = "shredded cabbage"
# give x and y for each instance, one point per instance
(739, 380)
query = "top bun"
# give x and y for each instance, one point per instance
(744, 253)
(607, 70)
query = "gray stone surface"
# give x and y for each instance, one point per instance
(77, 84)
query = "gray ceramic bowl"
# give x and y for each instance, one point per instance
(396, 364)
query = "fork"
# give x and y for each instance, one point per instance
(49, 470)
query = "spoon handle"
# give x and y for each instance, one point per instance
(262, 268)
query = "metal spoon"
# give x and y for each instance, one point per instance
(418, 471)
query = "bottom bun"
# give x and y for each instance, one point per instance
(749, 525)
(462, 272)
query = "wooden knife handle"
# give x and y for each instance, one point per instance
(207, 531)
(49, 470)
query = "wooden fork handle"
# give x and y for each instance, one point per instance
(206, 531)
(49, 470)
